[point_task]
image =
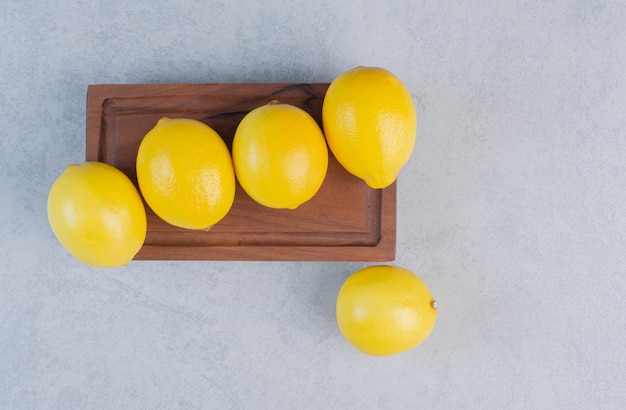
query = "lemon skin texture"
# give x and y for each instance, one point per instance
(370, 124)
(385, 310)
(97, 214)
(185, 173)
(280, 155)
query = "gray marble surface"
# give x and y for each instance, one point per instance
(512, 209)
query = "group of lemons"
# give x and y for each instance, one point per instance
(186, 174)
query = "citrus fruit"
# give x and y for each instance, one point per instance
(185, 173)
(280, 155)
(370, 124)
(384, 310)
(97, 214)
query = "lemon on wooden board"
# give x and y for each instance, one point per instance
(97, 214)
(185, 173)
(370, 124)
(280, 155)
(384, 310)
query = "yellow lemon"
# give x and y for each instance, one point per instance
(280, 155)
(185, 173)
(370, 124)
(384, 310)
(97, 214)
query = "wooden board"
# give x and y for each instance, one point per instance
(345, 221)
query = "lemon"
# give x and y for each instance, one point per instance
(97, 214)
(370, 124)
(185, 173)
(384, 310)
(280, 155)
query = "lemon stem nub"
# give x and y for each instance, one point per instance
(273, 102)
(434, 304)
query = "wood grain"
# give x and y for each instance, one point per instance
(345, 221)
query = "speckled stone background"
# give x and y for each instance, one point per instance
(512, 209)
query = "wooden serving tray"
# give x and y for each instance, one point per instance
(345, 220)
